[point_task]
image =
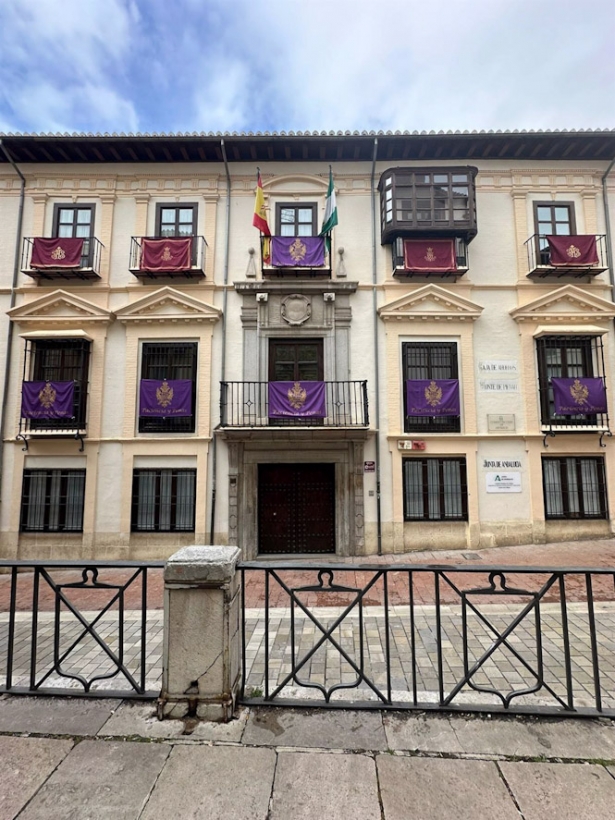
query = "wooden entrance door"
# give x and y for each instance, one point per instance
(296, 508)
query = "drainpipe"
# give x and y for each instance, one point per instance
(9, 340)
(607, 226)
(214, 455)
(376, 353)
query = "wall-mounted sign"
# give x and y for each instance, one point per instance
(501, 464)
(498, 386)
(411, 445)
(369, 466)
(499, 367)
(503, 482)
(501, 423)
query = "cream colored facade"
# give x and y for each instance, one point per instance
(363, 315)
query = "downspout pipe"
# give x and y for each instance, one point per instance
(376, 350)
(9, 340)
(227, 249)
(607, 227)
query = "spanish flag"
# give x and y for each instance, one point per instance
(259, 220)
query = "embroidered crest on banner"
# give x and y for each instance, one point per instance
(47, 396)
(430, 255)
(433, 394)
(164, 394)
(579, 392)
(297, 396)
(298, 250)
(58, 253)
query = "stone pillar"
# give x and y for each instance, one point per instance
(202, 651)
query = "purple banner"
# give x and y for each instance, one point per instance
(166, 254)
(47, 400)
(60, 252)
(165, 398)
(291, 399)
(298, 251)
(432, 397)
(575, 397)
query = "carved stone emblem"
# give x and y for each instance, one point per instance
(296, 309)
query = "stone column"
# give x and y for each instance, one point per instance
(201, 662)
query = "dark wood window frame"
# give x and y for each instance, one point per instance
(157, 513)
(87, 258)
(277, 341)
(572, 499)
(296, 206)
(42, 369)
(177, 206)
(57, 509)
(555, 204)
(587, 346)
(184, 424)
(543, 255)
(455, 494)
(430, 424)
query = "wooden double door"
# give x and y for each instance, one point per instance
(296, 508)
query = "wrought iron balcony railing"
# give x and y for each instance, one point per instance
(196, 269)
(89, 267)
(540, 264)
(246, 404)
(461, 259)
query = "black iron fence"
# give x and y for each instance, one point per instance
(89, 266)
(527, 640)
(69, 628)
(246, 404)
(195, 271)
(539, 259)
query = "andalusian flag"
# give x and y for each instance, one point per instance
(259, 220)
(329, 220)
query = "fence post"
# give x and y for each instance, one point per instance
(201, 658)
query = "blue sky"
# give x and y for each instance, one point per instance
(256, 65)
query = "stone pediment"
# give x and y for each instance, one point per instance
(568, 303)
(59, 308)
(168, 305)
(296, 184)
(431, 302)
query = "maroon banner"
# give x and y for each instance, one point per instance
(572, 251)
(165, 398)
(432, 397)
(430, 255)
(298, 251)
(574, 397)
(166, 254)
(61, 252)
(288, 399)
(47, 400)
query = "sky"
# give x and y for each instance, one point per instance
(293, 65)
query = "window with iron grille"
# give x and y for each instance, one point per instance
(574, 487)
(76, 222)
(296, 220)
(567, 357)
(52, 501)
(435, 489)
(62, 360)
(177, 360)
(429, 360)
(163, 500)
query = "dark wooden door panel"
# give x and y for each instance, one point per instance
(296, 508)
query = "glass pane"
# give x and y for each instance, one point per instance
(84, 216)
(440, 178)
(307, 372)
(543, 214)
(167, 230)
(562, 214)
(66, 215)
(166, 500)
(304, 230)
(422, 179)
(284, 372)
(307, 353)
(65, 230)
(287, 215)
(452, 489)
(146, 500)
(185, 215)
(287, 230)
(461, 216)
(284, 354)
(460, 177)
(573, 487)
(185, 230)
(562, 229)
(82, 231)
(305, 215)
(414, 489)
(441, 216)
(423, 204)
(554, 503)
(460, 190)
(168, 215)
(545, 228)
(433, 489)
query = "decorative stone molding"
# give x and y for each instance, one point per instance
(566, 304)
(262, 297)
(431, 302)
(59, 308)
(296, 309)
(168, 305)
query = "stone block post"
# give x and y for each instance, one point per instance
(202, 651)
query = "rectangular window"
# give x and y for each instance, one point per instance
(429, 360)
(574, 487)
(552, 219)
(177, 360)
(176, 220)
(435, 489)
(62, 360)
(163, 500)
(76, 222)
(566, 357)
(52, 501)
(296, 220)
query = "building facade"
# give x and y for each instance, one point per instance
(392, 386)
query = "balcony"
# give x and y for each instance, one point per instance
(74, 426)
(160, 261)
(575, 261)
(454, 267)
(246, 404)
(295, 263)
(57, 264)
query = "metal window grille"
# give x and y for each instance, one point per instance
(574, 487)
(60, 360)
(170, 361)
(52, 501)
(435, 489)
(163, 500)
(568, 357)
(429, 360)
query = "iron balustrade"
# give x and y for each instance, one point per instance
(88, 269)
(524, 640)
(246, 404)
(539, 259)
(50, 631)
(196, 271)
(462, 256)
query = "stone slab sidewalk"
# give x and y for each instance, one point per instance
(276, 764)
